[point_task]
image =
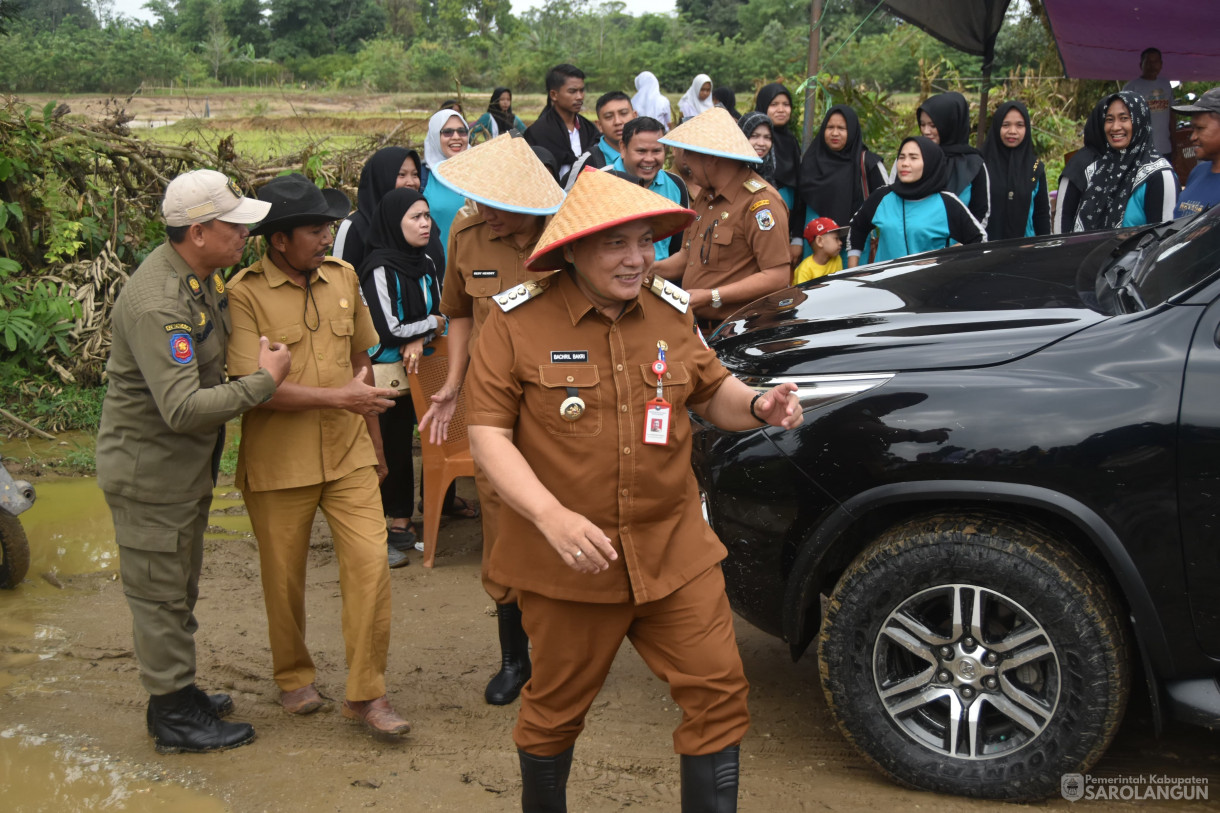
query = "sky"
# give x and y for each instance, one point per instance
(132, 8)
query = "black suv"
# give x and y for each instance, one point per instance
(1003, 506)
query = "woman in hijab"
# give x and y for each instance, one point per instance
(914, 214)
(1072, 182)
(945, 119)
(760, 132)
(648, 99)
(726, 98)
(776, 101)
(447, 136)
(838, 172)
(387, 169)
(499, 118)
(1130, 184)
(698, 99)
(1020, 203)
(400, 280)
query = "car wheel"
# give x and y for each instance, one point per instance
(14, 552)
(964, 654)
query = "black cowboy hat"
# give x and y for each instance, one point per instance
(297, 201)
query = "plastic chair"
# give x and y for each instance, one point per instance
(441, 465)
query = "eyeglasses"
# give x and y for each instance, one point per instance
(450, 132)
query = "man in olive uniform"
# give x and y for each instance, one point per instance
(513, 191)
(160, 439)
(578, 414)
(315, 445)
(736, 250)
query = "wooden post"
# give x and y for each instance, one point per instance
(815, 48)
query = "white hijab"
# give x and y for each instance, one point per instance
(648, 100)
(433, 155)
(690, 104)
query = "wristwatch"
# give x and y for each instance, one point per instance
(716, 300)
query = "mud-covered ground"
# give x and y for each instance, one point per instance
(73, 679)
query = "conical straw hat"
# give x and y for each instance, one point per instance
(712, 132)
(600, 201)
(503, 173)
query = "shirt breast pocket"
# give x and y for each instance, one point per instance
(483, 287)
(722, 239)
(290, 336)
(675, 384)
(343, 329)
(559, 382)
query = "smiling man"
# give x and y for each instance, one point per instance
(644, 158)
(316, 444)
(578, 414)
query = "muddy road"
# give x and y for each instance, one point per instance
(68, 683)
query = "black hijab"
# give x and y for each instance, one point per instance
(1014, 174)
(950, 112)
(787, 150)
(377, 177)
(386, 243)
(1116, 174)
(832, 182)
(935, 171)
(728, 100)
(1094, 146)
(505, 119)
(749, 123)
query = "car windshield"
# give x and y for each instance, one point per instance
(1186, 257)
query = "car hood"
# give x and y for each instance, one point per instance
(968, 306)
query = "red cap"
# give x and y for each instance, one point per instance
(820, 226)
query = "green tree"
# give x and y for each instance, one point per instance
(301, 28)
(51, 14)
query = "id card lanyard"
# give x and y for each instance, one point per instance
(658, 410)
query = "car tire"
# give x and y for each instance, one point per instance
(1038, 685)
(14, 552)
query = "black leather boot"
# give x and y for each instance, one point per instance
(544, 782)
(709, 782)
(220, 705)
(514, 655)
(181, 722)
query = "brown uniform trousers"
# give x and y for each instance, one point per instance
(293, 463)
(480, 265)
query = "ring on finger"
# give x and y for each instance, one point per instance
(579, 553)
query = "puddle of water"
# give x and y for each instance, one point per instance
(38, 776)
(69, 527)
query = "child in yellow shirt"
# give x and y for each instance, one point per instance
(826, 238)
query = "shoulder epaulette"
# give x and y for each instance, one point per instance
(507, 300)
(670, 293)
(339, 261)
(754, 185)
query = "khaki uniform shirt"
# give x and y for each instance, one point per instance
(644, 497)
(481, 264)
(737, 231)
(292, 449)
(167, 397)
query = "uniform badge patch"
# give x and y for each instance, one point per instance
(758, 204)
(178, 326)
(181, 348)
(765, 221)
(234, 188)
(193, 283)
(218, 282)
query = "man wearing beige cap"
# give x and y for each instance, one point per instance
(578, 414)
(736, 250)
(160, 439)
(513, 192)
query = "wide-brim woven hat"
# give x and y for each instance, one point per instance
(712, 132)
(600, 201)
(503, 173)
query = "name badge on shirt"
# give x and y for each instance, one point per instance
(565, 356)
(484, 273)
(656, 422)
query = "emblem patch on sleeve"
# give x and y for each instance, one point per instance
(181, 348)
(765, 221)
(219, 282)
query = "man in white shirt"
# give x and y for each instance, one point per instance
(1159, 95)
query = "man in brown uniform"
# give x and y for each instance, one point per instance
(578, 413)
(315, 445)
(159, 443)
(513, 191)
(736, 250)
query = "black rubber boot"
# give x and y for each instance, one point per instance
(180, 722)
(544, 782)
(514, 655)
(220, 705)
(709, 782)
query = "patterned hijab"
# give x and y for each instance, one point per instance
(1116, 175)
(748, 124)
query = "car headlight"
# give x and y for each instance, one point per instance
(815, 391)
